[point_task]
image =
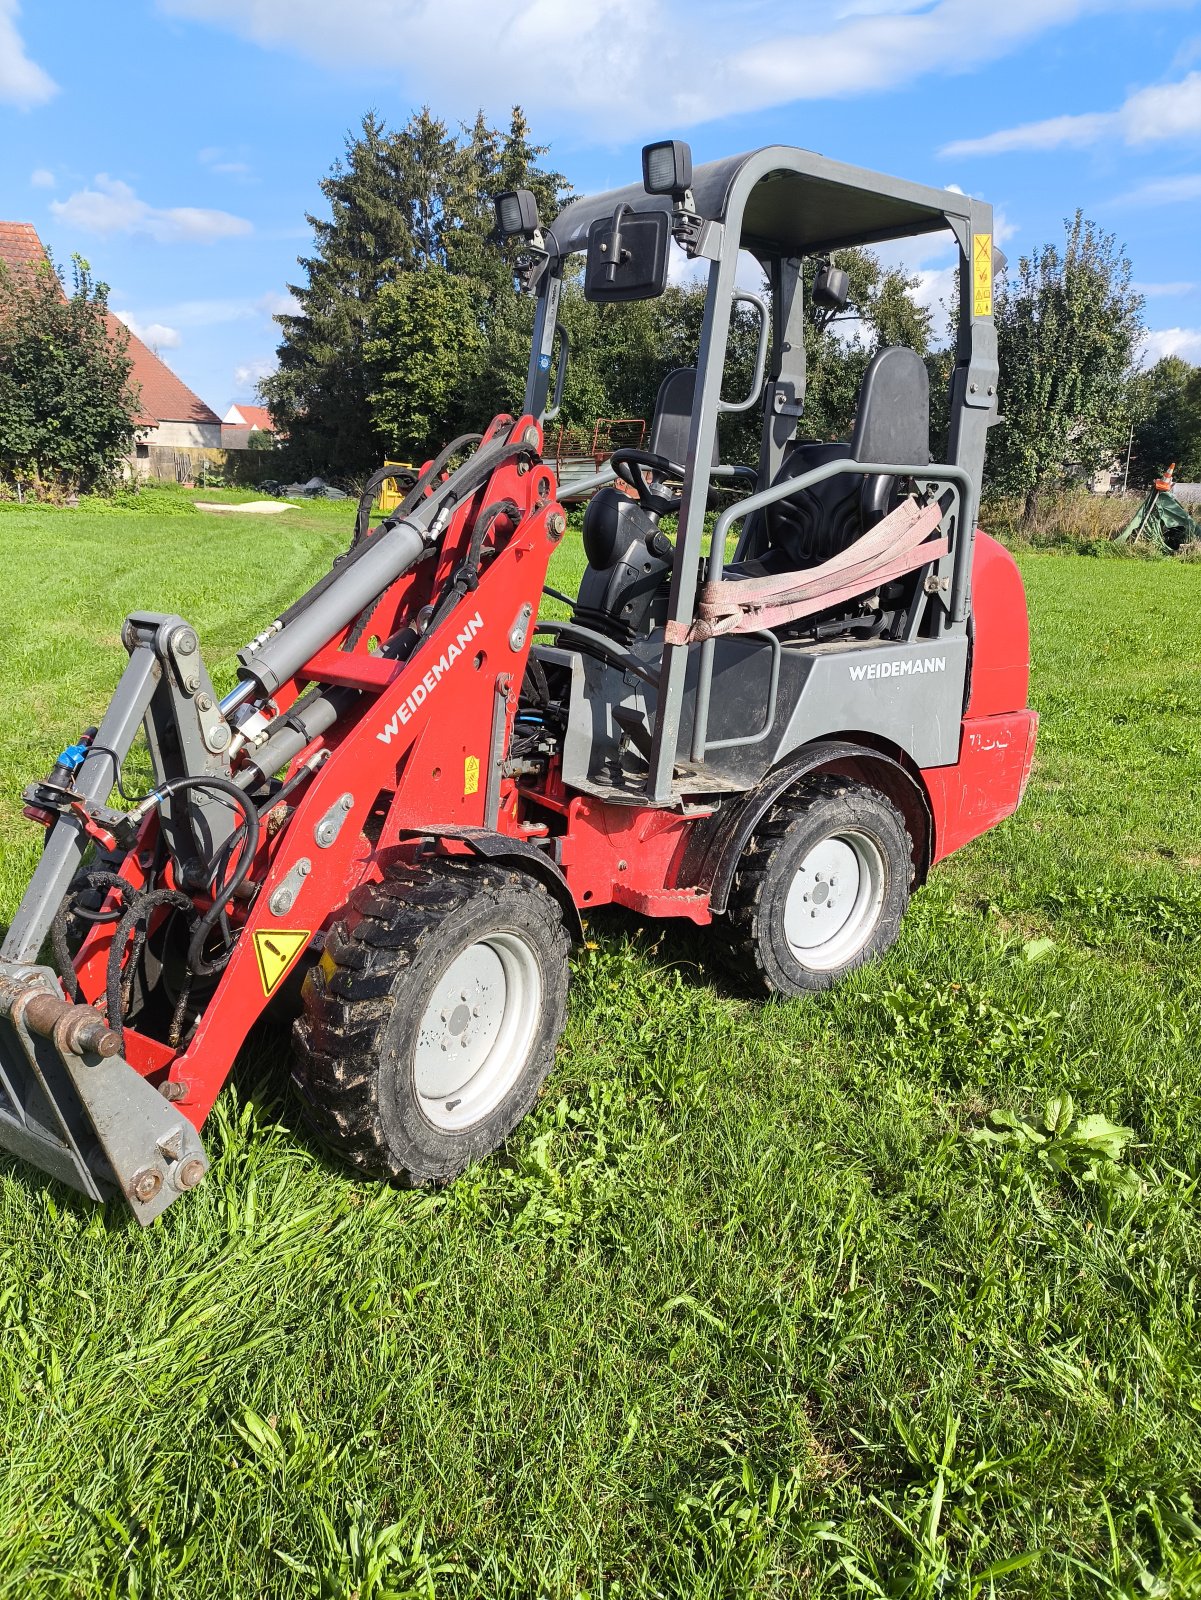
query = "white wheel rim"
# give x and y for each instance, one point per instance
(834, 901)
(477, 1030)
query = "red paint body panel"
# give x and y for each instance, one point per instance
(987, 783)
(996, 749)
(1000, 632)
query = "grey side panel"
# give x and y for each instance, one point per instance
(910, 694)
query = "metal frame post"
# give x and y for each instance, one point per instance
(685, 566)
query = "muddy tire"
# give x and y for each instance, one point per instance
(430, 1022)
(821, 888)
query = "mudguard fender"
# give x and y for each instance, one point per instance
(715, 848)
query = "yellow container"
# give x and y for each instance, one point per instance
(390, 492)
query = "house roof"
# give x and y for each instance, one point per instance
(164, 397)
(20, 245)
(243, 415)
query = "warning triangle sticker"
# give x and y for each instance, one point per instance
(276, 950)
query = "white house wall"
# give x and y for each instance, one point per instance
(187, 435)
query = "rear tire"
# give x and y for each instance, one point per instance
(821, 888)
(431, 1021)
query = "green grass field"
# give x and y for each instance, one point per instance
(746, 1308)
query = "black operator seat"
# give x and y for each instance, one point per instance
(892, 424)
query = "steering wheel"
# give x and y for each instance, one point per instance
(629, 465)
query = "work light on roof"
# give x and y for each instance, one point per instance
(667, 168)
(516, 214)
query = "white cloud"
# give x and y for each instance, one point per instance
(1160, 112)
(248, 374)
(934, 290)
(22, 82)
(686, 271)
(111, 206)
(1163, 191)
(42, 178)
(1164, 291)
(633, 63)
(224, 162)
(156, 334)
(275, 304)
(1160, 342)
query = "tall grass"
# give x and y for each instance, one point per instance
(1071, 519)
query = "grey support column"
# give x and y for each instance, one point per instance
(973, 382)
(682, 599)
(786, 376)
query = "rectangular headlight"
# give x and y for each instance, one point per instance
(516, 213)
(667, 167)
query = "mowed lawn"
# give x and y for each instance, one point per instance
(745, 1309)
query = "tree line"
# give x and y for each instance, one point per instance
(408, 330)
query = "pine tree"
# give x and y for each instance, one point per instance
(402, 203)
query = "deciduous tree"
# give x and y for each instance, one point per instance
(67, 405)
(1166, 401)
(1068, 323)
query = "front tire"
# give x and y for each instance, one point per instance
(431, 1021)
(821, 889)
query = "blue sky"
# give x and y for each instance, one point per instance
(177, 144)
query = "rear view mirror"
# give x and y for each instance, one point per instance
(831, 288)
(627, 255)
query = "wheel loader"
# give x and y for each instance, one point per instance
(772, 724)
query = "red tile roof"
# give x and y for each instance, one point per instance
(20, 245)
(164, 397)
(254, 417)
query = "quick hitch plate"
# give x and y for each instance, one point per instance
(71, 1105)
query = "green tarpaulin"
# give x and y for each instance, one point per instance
(1161, 521)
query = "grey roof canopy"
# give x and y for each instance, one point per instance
(795, 201)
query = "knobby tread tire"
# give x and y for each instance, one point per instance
(366, 994)
(754, 946)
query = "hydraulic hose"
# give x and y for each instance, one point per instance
(448, 453)
(393, 550)
(196, 959)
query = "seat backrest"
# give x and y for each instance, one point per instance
(892, 424)
(892, 419)
(673, 417)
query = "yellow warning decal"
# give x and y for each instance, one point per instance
(471, 774)
(982, 274)
(275, 952)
